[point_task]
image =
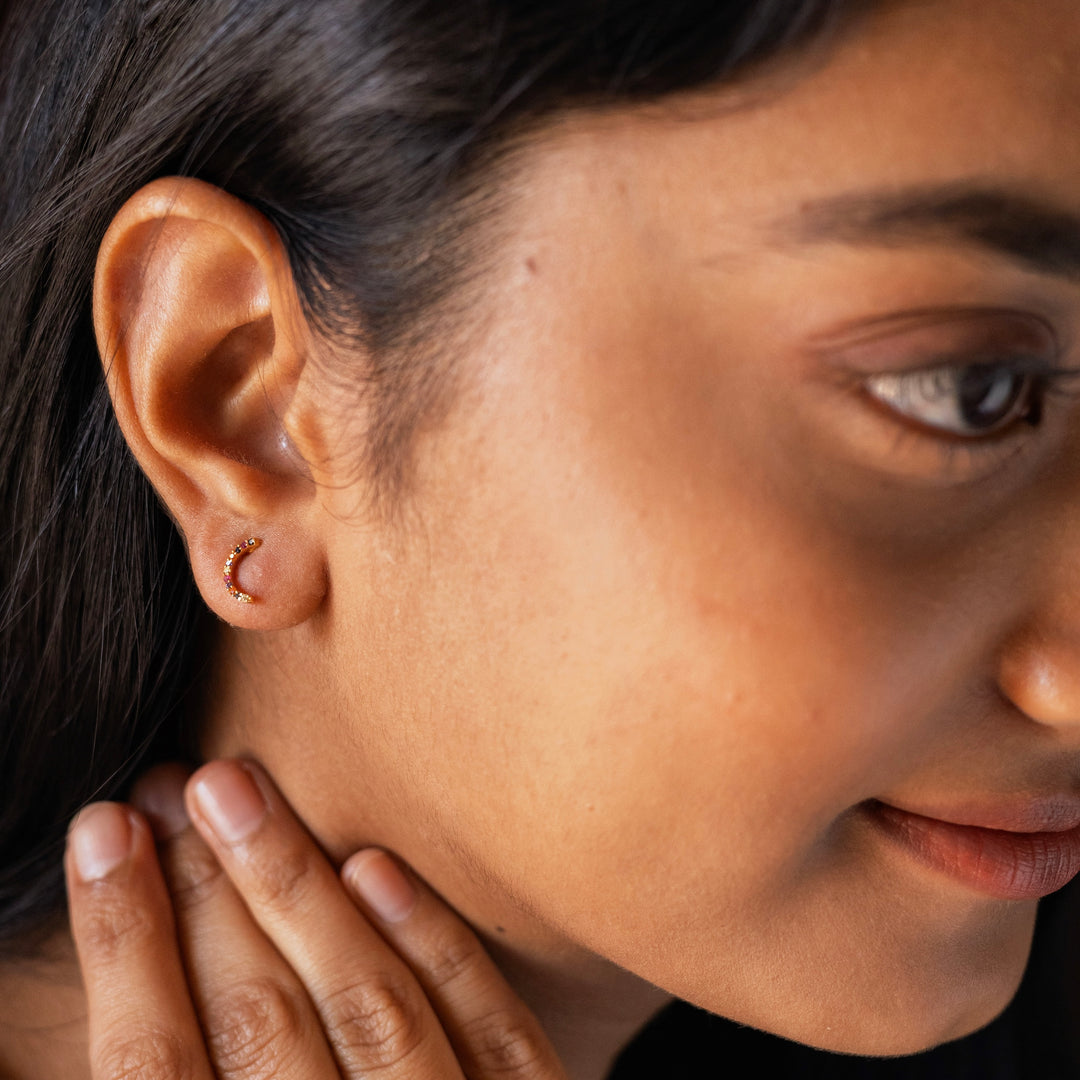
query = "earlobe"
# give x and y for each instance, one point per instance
(204, 346)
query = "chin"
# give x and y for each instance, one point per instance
(888, 1009)
(902, 1034)
(920, 1019)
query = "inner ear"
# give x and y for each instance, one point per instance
(230, 390)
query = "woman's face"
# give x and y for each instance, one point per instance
(702, 565)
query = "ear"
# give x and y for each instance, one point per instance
(204, 345)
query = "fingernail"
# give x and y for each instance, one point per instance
(229, 801)
(160, 797)
(379, 882)
(101, 839)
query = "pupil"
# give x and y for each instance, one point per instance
(988, 394)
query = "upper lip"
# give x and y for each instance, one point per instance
(1014, 813)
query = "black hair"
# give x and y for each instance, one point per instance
(361, 129)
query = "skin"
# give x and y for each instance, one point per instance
(671, 596)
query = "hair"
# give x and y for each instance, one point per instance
(362, 129)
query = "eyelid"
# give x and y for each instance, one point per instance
(925, 339)
(958, 460)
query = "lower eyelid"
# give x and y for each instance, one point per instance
(918, 450)
(881, 451)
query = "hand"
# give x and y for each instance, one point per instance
(242, 954)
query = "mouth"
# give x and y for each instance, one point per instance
(1002, 863)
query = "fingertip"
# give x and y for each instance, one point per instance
(159, 795)
(101, 839)
(226, 798)
(377, 879)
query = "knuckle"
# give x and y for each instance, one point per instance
(148, 1055)
(253, 1030)
(284, 879)
(114, 923)
(375, 1023)
(453, 957)
(193, 874)
(505, 1043)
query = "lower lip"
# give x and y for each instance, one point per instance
(1004, 865)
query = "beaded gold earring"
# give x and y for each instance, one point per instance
(237, 553)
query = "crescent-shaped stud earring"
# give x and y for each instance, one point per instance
(237, 553)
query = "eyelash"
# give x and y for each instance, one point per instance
(1044, 382)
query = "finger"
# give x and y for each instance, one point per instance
(372, 1008)
(492, 1031)
(257, 1018)
(141, 1018)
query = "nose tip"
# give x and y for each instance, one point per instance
(1041, 677)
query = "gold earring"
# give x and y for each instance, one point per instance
(241, 549)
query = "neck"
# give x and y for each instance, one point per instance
(589, 1007)
(43, 1032)
(589, 1019)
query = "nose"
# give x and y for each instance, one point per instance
(1039, 664)
(1039, 672)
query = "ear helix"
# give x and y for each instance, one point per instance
(237, 553)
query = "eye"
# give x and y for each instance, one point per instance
(972, 401)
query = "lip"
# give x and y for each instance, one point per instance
(1022, 814)
(988, 851)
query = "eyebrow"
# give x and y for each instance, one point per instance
(1039, 235)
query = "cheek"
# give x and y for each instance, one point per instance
(670, 736)
(669, 678)
(666, 685)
